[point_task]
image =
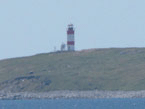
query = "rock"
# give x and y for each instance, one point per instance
(31, 73)
(27, 77)
(46, 82)
(72, 94)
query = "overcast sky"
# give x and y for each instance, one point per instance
(28, 27)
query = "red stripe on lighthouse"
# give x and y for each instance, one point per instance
(70, 32)
(70, 43)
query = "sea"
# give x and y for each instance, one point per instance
(74, 104)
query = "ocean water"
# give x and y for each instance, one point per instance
(74, 104)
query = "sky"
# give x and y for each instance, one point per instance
(29, 27)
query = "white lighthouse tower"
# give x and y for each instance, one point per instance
(70, 38)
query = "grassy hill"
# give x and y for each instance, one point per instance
(101, 69)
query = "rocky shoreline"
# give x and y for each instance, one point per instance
(72, 94)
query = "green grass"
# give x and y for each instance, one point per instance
(101, 69)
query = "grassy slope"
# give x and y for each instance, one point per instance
(102, 69)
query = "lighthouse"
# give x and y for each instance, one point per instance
(70, 38)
